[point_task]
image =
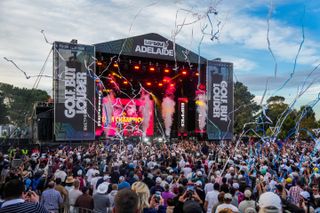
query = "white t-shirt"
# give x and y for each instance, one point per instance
(90, 173)
(208, 187)
(187, 171)
(227, 206)
(212, 199)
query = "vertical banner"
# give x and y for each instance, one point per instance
(182, 116)
(74, 91)
(220, 100)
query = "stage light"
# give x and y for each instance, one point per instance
(160, 84)
(197, 74)
(111, 81)
(125, 82)
(136, 67)
(152, 69)
(148, 83)
(166, 70)
(99, 63)
(184, 72)
(115, 65)
(171, 85)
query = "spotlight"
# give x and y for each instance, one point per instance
(115, 65)
(197, 74)
(125, 82)
(149, 84)
(166, 70)
(160, 84)
(152, 69)
(99, 63)
(184, 72)
(136, 67)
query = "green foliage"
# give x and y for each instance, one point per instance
(244, 106)
(21, 101)
(3, 110)
(281, 116)
(308, 120)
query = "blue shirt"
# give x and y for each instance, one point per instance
(51, 199)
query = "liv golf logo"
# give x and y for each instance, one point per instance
(154, 47)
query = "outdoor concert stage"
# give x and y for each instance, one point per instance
(120, 70)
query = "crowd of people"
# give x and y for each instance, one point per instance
(185, 176)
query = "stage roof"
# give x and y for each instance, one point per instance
(150, 45)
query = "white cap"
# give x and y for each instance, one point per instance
(270, 199)
(305, 195)
(199, 173)
(79, 172)
(198, 183)
(228, 196)
(158, 180)
(247, 193)
(235, 185)
(106, 177)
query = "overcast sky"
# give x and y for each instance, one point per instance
(242, 36)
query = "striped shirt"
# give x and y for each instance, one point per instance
(25, 207)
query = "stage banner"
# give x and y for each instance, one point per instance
(182, 116)
(74, 91)
(220, 100)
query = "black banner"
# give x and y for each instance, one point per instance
(220, 100)
(182, 116)
(74, 92)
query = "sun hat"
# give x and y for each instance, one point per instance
(70, 179)
(270, 199)
(103, 188)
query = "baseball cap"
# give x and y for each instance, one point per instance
(235, 185)
(198, 183)
(305, 195)
(228, 196)
(270, 199)
(247, 193)
(158, 180)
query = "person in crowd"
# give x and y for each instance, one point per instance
(157, 187)
(16, 200)
(123, 184)
(51, 199)
(63, 192)
(126, 201)
(100, 199)
(212, 198)
(247, 203)
(227, 204)
(220, 201)
(85, 201)
(167, 194)
(270, 202)
(112, 194)
(74, 194)
(209, 185)
(156, 203)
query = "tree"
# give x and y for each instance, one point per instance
(307, 119)
(3, 110)
(281, 115)
(244, 106)
(21, 102)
